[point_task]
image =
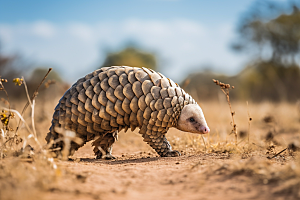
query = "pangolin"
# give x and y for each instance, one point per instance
(110, 99)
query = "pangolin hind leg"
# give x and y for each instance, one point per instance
(58, 144)
(161, 145)
(103, 146)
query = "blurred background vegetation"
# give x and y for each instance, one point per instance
(272, 39)
(15, 66)
(267, 33)
(131, 56)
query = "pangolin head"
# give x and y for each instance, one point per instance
(192, 120)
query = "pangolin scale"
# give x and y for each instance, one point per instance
(110, 99)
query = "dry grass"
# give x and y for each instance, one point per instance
(24, 161)
(25, 165)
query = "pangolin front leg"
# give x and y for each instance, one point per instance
(103, 146)
(161, 145)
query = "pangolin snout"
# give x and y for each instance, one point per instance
(204, 129)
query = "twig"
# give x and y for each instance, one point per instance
(277, 154)
(249, 122)
(31, 103)
(33, 96)
(258, 145)
(3, 88)
(21, 118)
(203, 143)
(240, 141)
(225, 89)
(196, 165)
(32, 117)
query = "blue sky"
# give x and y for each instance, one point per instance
(71, 36)
(93, 11)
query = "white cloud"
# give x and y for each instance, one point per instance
(5, 34)
(81, 31)
(43, 29)
(183, 45)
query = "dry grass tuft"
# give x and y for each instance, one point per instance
(24, 162)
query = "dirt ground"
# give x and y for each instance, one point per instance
(216, 169)
(142, 175)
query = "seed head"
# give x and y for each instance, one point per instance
(216, 82)
(18, 81)
(4, 118)
(49, 82)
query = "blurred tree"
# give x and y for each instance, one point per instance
(257, 82)
(268, 80)
(273, 29)
(38, 74)
(14, 66)
(11, 66)
(131, 56)
(266, 28)
(53, 78)
(201, 86)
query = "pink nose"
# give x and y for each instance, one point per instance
(204, 129)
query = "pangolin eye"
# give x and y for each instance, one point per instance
(192, 119)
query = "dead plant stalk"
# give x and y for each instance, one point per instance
(249, 123)
(225, 89)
